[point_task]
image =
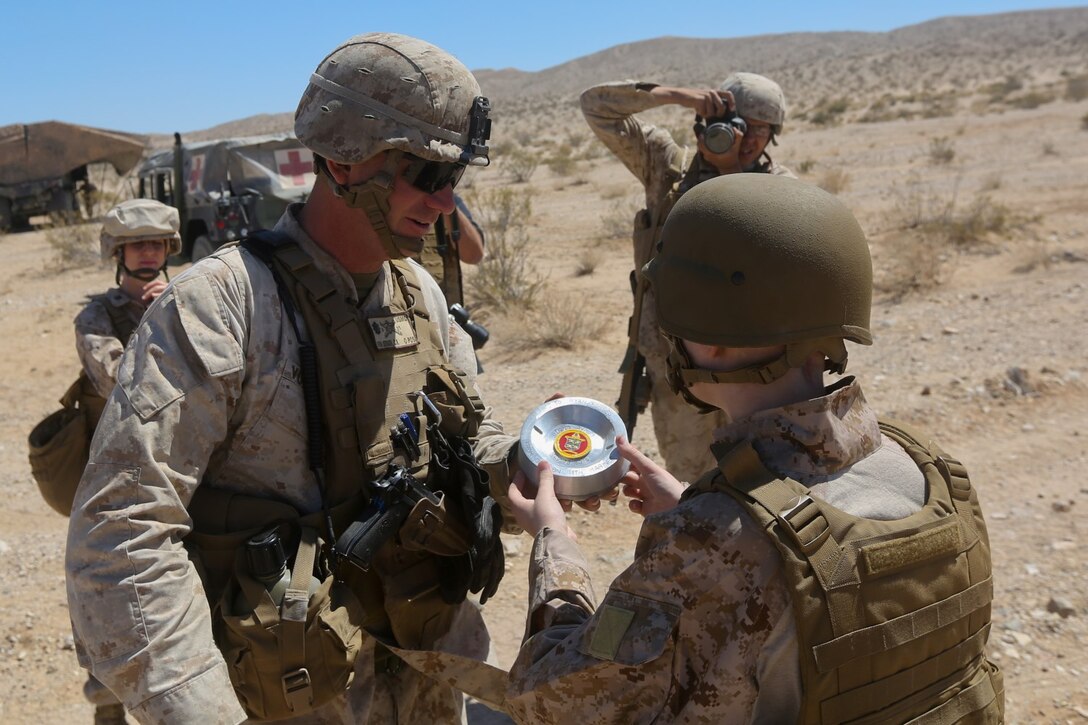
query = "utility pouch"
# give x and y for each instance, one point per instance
(60, 444)
(456, 399)
(431, 527)
(286, 660)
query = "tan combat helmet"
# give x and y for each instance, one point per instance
(758, 98)
(758, 260)
(387, 92)
(138, 220)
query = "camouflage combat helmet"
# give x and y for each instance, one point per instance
(758, 98)
(758, 260)
(138, 220)
(387, 92)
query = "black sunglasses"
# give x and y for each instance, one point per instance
(433, 176)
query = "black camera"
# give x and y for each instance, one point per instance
(477, 332)
(719, 133)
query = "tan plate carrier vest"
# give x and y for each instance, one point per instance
(364, 389)
(892, 616)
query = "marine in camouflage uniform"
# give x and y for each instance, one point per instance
(104, 325)
(744, 605)
(209, 397)
(667, 170)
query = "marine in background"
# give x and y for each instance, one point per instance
(137, 235)
(735, 126)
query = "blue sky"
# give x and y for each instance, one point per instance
(155, 66)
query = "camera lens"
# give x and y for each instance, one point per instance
(719, 137)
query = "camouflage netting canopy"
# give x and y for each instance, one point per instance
(36, 151)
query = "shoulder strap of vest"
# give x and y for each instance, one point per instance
(952, 471)
(267, 245)
(786, 502)
(123, 326)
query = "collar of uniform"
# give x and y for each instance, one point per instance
(813, 440)
(325, 263)
(119, 298)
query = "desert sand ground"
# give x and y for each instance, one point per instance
(992, 360)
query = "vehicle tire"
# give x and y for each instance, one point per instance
(202, 247)
(5, 215)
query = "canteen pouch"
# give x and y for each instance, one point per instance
(288, 660)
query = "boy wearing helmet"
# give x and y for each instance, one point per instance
(667, 170)
(299, 381)
(831, 568)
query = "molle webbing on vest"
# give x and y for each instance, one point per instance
(892, 616)
(364, 389)
(123, 326)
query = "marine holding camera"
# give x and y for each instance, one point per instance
(734, 125)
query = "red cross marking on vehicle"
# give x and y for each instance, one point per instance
(294, 164)
(196, 173)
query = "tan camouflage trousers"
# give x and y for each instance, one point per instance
(683, 433)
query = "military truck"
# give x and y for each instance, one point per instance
(43, 167)
(227, 188)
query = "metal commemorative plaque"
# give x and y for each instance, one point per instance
(577, 436)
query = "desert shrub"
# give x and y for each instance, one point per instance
(74, 245)
(506, 276)
(1084, 122)
(944, 220)
(563, 163)
(937, 105)
(1034, 99)
(574, 140)
(1076, 88)
(910, 263)
(828, 111)
(588, 261)
(1049, 148)
(520, 165)
(1000, 90)
(941, 150)
(918, 205)
(834, 180)
(556, 324)
(981, 218)
(806, 166)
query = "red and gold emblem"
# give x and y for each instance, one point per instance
(572, 444)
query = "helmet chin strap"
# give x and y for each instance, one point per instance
(144, 274)
(372, 196)
(681, 373)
